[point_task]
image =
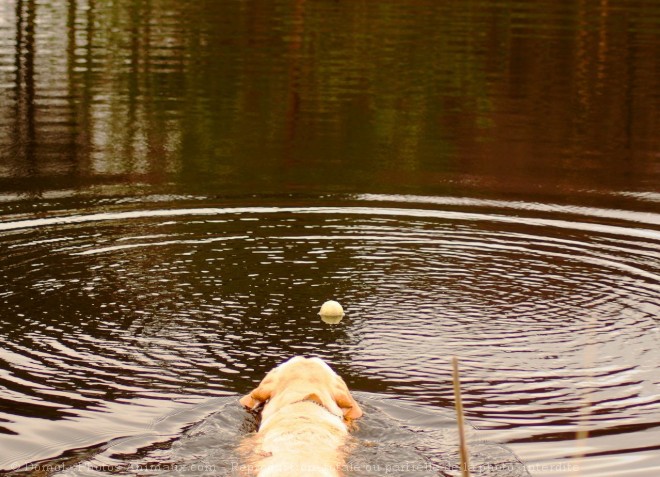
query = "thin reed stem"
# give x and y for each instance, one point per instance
(582, 425)
(463, 450)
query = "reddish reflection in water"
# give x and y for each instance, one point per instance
(523, 99)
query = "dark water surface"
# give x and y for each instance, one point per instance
(182, 184)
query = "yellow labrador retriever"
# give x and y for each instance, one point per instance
(304, 423)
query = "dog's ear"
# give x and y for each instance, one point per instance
(345, 401)
(261, 394)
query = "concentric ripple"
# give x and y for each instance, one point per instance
(552, 310)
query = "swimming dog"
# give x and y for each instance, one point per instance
(307, 412)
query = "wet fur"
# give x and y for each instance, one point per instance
(307, 413)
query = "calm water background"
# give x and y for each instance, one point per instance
(182, 184)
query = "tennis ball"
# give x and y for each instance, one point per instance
(331, 309)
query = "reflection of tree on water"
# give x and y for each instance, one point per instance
(48, 135)
(24, 128)
(79, 76)
(231, 95)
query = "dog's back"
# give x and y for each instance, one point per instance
(304, 421)
(306, 440)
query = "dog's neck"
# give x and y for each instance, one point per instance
(266, 418)
(313, 398)
(316, 401)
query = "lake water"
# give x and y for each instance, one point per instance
(182, 185)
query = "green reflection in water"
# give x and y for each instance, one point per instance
(326, 96)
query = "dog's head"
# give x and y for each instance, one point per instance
(300, 379)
